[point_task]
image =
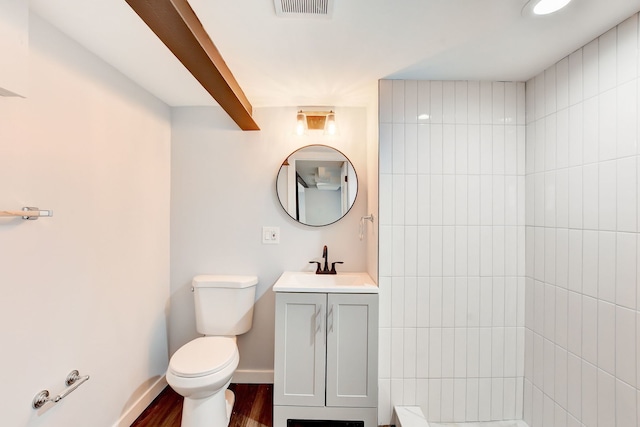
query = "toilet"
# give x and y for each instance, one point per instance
(201, 370)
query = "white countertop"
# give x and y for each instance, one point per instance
(352, 283)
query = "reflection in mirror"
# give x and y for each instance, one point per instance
(317, 185)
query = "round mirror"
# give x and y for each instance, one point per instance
(317, 185)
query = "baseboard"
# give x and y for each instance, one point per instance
(252, 376)
(141, 404)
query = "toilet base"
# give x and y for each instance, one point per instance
(210, 411)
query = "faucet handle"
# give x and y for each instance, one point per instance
(318, 270)
(333, 266)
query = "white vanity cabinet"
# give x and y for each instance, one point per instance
(326, 357)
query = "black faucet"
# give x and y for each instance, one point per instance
(325, 270)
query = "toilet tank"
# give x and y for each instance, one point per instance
(224, 304)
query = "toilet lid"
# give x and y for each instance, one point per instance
(203, 356)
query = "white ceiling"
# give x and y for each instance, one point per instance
(338, 61)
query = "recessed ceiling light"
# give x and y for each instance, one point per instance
(544, 7)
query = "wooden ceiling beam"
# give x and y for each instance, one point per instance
(178, 27)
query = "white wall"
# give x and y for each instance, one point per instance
(452, 249)
(88, 288)
(223, 192)
(582, 323)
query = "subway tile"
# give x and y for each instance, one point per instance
(550, 255)
(385, 148)
(528, 354)
(537, 419)
(473, 251)
(607, 60)
(497, 398)
(561, 201)
(473, 102)
(562, 138)
(422, 302)
(627, 194)
(411, 148)
(521, 103)
(473, 149)
(538, 308)
(561, 317)
(626, 404)
(424, 251)
(550, 128)
(530, 187)
(459, 400)
(590, 110)
(498, 149)
(589, 394)
(562, 257)
(607, 129)
(498, 301)
(423, 202)
(540, 145)
(530, 149)
(590, 263)
(410, 303)
(461, 149)
(607, 266)
(626, 269)
(435, 397)
(575, 197)
(575, 260)
(539, 93)
(590, 330)
(460, 353)
(627, 49)
(574, 380)
(397, 101)
(397, 248)
(539, 199)
(397, 302)
(435, 93)
(529, 251)
(409, 391)
(435, 301)
(448, 302)
(435, 353)
(560, 417)
(410, 101)
(562, 84)
(484, 403)
(498, 102)
(550, 199)
(437, 202)
(461, 99)
(549, 312)
(550, 94)
(486, 251)
(448, 352)
(548, 411)
(448, 102)
(384, 353)
(510, 103)
(409, 353)
(561, 376)
(511, 200)
(521, 133)
(530, 88)
(607, 214)
(436, 148)
(398, 157)
(397, 357)
(538, 361)
(448, 251)
(473, 301)
(511, 251)
(574, 324)
(424, 101)
(398, 198)
(590, 196)
(473, 352)
(627, 119)
(424, 149)
(461, 198)
(486, 149)
(448, 149)
(576, 77)
(486, 301)
(411, 200)
(460, 252)
(576, 134)
(625, 345)
(539, 258)
(590, 69)
(606, 399)
(510, 352)
(471, 399)
(486, 103)
(498, 200)
(606, 337)
(448, 200)
(422, 353)
(510, 150)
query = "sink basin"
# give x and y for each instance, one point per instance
(297, 281)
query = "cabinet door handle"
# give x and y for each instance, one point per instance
(316, 318)
(330, 319)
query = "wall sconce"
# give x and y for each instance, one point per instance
(316, 121)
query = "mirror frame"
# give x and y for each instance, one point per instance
(338, 152)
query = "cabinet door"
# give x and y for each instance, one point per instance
(352, 350)
(300, 349)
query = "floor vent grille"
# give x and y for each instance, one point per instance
(304, 8)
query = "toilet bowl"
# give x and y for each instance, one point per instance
(201, 370)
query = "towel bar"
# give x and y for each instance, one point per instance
(73, 381)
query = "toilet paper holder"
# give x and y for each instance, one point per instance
(73, 381)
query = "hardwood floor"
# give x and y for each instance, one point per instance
(253, 408)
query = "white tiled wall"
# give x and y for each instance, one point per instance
(452, 248)
(582, 193)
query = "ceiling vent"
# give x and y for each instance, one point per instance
(304, 8)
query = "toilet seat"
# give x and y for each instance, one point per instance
(203, 356)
